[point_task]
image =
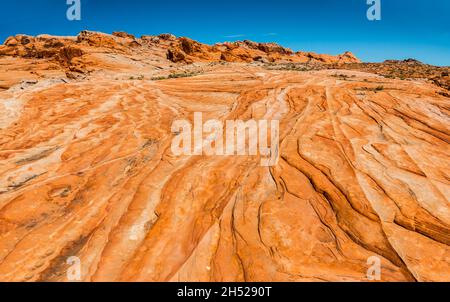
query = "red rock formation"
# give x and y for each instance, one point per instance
(86, 167)
(189, 51)
(91, 47)
(98, 52)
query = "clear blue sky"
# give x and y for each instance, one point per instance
(409, 28)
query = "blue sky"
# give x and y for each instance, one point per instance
(416, 28)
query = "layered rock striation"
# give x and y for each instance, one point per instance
(87, 170)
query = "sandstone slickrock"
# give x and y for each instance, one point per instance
(86, 168)
(406, 69)
(91, 52)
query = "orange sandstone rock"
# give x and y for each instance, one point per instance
(86, 168)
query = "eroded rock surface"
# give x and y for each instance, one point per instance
(86, 170)
(46, 56)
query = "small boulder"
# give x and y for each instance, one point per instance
(168, 37)
(122, 34)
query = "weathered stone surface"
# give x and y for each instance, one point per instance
(86, 170)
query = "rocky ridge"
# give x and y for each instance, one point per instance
(121, 52)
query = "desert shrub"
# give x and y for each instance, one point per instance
(176, 76)
(139, 77)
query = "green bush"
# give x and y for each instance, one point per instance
(176, 76)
